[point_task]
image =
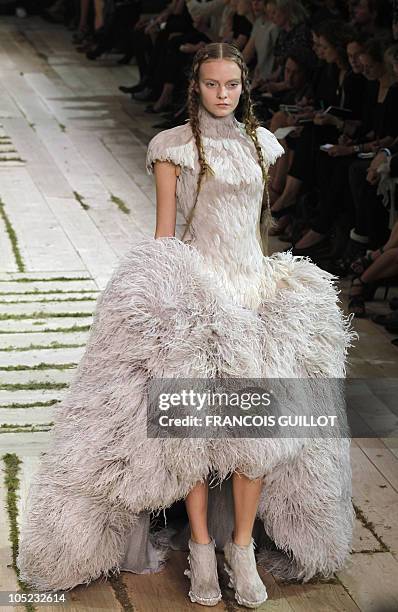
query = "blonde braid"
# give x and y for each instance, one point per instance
(251, 124)
(205, 169)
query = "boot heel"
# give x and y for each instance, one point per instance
(230, 573)
(240, 565)
(202, 572)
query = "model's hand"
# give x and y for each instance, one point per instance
(340, 151)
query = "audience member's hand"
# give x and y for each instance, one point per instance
(141, 23)
(374, 145)
(325, 119)
(306, 103)
(340, 150)
(372, 175)
(273, 87)
(308, 114)
(191, 48)
(258, 83)
(152, 27)
(344, 139)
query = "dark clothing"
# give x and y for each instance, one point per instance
(324, 84)
(349, 95)
(334, 191)
(371, 216)
(297, 39)
(380, 118)
(241, 26)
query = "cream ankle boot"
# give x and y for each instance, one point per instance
(202, 559)
(241, 567)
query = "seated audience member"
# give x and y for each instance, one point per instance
(291, 19)
(260, 46)
(334, 38)
(372, 17)
(379, 128)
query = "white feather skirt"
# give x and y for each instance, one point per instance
(162, 315)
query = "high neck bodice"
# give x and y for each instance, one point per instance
(216, 126)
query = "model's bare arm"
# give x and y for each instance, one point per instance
(166, 209)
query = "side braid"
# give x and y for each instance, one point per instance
(251, 124)
(205, 169)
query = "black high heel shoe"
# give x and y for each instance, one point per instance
(357, 301)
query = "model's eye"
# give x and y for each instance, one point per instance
(210, 84)
(232, 85)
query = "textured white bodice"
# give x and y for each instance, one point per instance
(225, 225)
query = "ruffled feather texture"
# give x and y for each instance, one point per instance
(163, 315)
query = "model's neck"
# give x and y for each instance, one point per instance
(212, 125)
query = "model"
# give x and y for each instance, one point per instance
(209, 305)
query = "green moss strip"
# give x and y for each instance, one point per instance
(65, 330)
(13, 238)
(45, 301)
(39, 366)
(120, 204)
(121, 593)
(19, 429)
(23, 426)
(31, 405)
(48, 280)
(34, 386)
(11, 480)
(38, 291)
(368, 525)
(39, 347)
(42, 315)
(11, 159)
(81, 201)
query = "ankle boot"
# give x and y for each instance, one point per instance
(202, 559)
(241, 567)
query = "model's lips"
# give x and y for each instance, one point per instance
(221, 104)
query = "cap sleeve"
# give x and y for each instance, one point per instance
(272, 149)
(175, 145)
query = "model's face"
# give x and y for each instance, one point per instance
(354, 52)
(329, 53)
(220, 86)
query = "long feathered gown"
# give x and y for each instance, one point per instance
(214, 306)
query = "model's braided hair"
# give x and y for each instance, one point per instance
(225, 51)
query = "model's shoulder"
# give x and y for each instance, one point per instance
(272, 149)
(175, 145)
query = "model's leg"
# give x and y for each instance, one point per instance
(205, 589)
(246, 494)
(239, 552)
(196, 505)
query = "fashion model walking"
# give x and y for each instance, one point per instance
(211, 304)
